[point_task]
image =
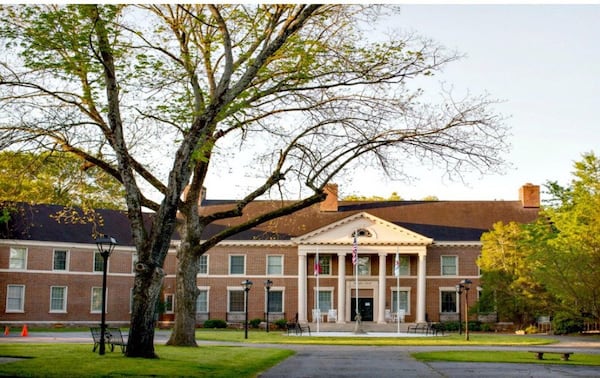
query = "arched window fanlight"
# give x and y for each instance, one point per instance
(362, 232)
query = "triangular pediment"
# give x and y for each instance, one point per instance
(371, 230)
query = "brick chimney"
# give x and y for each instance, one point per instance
(529, 195)
(331, 201)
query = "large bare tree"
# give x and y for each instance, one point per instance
(159, 95)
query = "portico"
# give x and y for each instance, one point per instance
(378, 242)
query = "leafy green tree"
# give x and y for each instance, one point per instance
(567, 242)
(508, 285)
(57, 178)
(201, 85)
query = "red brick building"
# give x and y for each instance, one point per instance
(50, 271)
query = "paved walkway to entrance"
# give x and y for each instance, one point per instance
(386, 361)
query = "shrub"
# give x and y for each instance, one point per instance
(215, 323)
(281, 324)
(487, 327)
(566, 323)
(254, 323)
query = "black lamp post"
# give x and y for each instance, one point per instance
(246, 285)
(466, 285)
(105, 245)
(459, 290)
(268, 284)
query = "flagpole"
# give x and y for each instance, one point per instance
(397, 273)
(318, 273)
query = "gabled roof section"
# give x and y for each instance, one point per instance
(376, 231)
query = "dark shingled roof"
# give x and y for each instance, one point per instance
(440, 220)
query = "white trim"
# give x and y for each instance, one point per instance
(267, 264)
(67, 259)
(25, 258)
(17, 311)
(229, 256)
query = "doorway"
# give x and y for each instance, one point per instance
(365, 308)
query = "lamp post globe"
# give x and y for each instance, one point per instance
(246, 284)
(105, 245)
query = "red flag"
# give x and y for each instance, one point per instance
(317, 267)
(355, 251)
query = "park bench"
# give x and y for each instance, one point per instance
(112, 337)
(540, 354)
(297, 328)
(425, 328)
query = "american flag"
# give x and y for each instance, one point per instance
(397, 266)
(355, 251)
(317, 267)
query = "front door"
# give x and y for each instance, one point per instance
(365, 308)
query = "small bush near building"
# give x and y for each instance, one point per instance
(254, 323)
(281, 324)
(215, 323)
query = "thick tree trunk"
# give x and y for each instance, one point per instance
(147, 287)
(184, 329)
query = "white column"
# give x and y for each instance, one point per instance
(341, 289)
(381, 302)
(302, 287)
(421, 287)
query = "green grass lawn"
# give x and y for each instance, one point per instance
(75, 360)
(279, 337)
(520, 357)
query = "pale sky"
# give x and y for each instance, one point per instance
(543, 61)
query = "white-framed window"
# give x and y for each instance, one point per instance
(402, 297)
(58, 299)
(134, 260)
(403, 265)
(237, 264)
(449, 265)
(203, 265)
(60, 260)
(96, 300)
(275, 300)
(202, 300)
(235, 302)
(15, 298)
(364, 266)
(325, 262)
(448, 300)
(325, 302)
(274, 265)
(169, 303)
(18, 258)
(98, 262)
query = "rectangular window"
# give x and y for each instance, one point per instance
(275, 301)
(274, 265)
(134, 260)
(58, 299)
(60, 260)
(96, 305)
(203, 264)
(325, 297)
(325, 262)
(404, 265)
(202, 302)
(449, 265)
(448, 301)
(236, 300)
(18, 258)
(98, 262)
(402, 297)
(169, 303)
(237, 264)
(15, 298)
(364, 266)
